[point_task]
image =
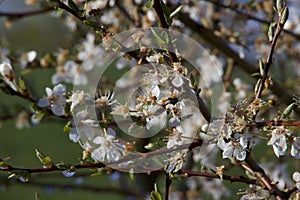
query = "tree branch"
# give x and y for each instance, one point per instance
(209, 36)
(163, 24)
(27, 13)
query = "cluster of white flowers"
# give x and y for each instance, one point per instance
(231, 134)
(279, 140)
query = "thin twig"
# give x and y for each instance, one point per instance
(84, 187)
(185, 173)
(269, 60)
(163, 24)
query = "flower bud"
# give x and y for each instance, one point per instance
(6, 71)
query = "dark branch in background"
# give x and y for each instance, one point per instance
(63, 186)
(249, 16)
(275, 123)
(63, 6)
(26, 96)
(216, 41)
(168, 184)
(27, 13)
(189, 173)
(185, 173)
(203, 108)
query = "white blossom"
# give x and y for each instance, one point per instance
(109, 148)
(295, 150)
(90, 54)
(55, 98)
(74, 135)
(278, 140)
(255, 193)
(27, 58)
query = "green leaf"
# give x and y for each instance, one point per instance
(91, 23)
(37, 196)
(39, 115)
(100, 171)
(261, 68)
(271, 33)
(2, 163)
(151, 146)
(285, 15)
(289, 109)
(75, 8)
(255, 74)
(176, 11)
(257, 86)
(150, 3)
(45, 160)
(167, 13)
(193, 81)
(155, 196)
(22, 83)
(34, 107)
(279, 5)
(131, 174)
(67, 128)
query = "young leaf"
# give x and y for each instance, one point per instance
(289, 110)
(22, 84)
(39, 115)
(155, 195)
(261, 68)
(285, 15)
(67, 128)
(167, 13)
(75, 8)
(177, 10)
(131, 174)
(91, 23)
(149, 3)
